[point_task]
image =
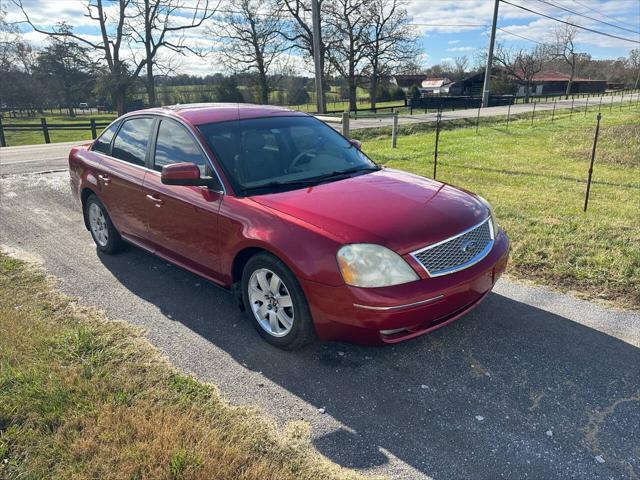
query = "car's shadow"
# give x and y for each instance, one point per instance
(509, 390)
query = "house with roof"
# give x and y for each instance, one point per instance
(427, 85)
(552, 83)
(544, 83)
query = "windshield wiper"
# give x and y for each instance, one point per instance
(313, 180)
(348, 171)
(277, 183)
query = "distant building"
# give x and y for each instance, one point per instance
(405, 82)
(544, 83)
(551, 83)
(436, 86)
(427, 85)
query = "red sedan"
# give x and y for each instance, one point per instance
(314, 238)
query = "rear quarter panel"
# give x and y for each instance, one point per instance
(83, 165)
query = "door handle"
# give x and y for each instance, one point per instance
(105, 179)
(155, 198)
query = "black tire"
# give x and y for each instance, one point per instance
(114, 242)
(302, 331)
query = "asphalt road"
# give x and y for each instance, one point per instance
(578, 106)
(35, 158)
(531, 384)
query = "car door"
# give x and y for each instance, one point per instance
(121, 177)
(183, 223)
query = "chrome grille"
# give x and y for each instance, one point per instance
(458, 252)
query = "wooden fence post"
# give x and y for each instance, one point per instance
(435, 151)
(45, 130)
(3, 142)
(508, 116)
(611, 104)
(478, 118)
(394, 130)
(553, 114)
(94, 132)
(593, 156)
(345, 124)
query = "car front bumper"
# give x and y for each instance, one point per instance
(393, 314)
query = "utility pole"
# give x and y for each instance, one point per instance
(315, 14)
(492, 41)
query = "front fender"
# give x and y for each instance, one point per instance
(308, 251)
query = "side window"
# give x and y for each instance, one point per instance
(103, 143)
(131, 142)
(174, 145)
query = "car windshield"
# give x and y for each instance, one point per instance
(260, 155)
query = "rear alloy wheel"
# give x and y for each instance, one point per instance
(275, 302)
(105, 235)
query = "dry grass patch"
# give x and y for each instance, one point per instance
(82, 397)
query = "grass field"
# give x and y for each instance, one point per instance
(86, 398)
(14, 139)
(535, 176)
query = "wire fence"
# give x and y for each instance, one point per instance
(534, 114)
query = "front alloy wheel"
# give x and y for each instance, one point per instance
(274, 300)
(271, 302)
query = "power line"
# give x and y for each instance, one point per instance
(570, 23)
(448, 24)
(603, 14)
(587, 16)
(520, 36)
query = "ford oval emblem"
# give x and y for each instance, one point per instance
(469, 246)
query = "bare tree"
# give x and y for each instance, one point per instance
(460, 66)
(522, 65)
(565, 48)
(299, 31)
(112, 39)
(161, 24)
(392, 41)
(250, 33)
(350, 22)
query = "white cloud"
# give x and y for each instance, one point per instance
(461, 49)
(453, 42)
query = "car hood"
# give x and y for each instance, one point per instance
(389, 207)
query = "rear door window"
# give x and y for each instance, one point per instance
(174, 145)
(103, 143)
(132, 140)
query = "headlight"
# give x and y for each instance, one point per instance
(368, 265)
(494, 219)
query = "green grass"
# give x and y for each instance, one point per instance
(37, 137)
(535, 176)
(83, 397)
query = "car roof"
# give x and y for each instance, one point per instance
(201, 113)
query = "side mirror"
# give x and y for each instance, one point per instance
(185, 173)
(356, 143)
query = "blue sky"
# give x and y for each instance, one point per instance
(448, 28)
(441, 42)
